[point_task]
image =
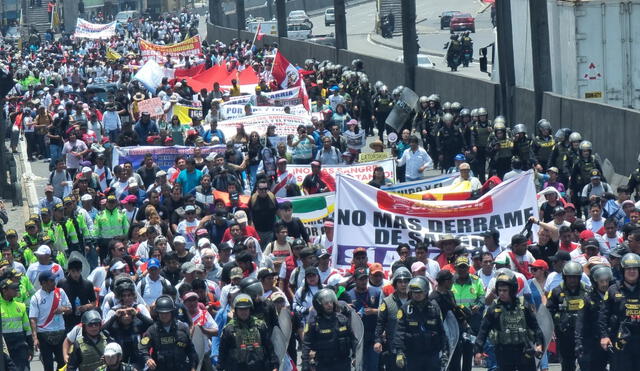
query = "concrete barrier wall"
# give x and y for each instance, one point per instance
(614, 131)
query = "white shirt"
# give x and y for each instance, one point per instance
(204, 319)
(34, 270)
(224, 294)
(415, 160)
(152, 289)
(486, 279)
(330, 277)
(528, 257)
(40, 307)
(475, 182)
(554, 279)
(495, 252)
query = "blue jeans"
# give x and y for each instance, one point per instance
(490, 351)
(253, 171)
(55, 151)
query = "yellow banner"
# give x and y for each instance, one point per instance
(373, 156)
(190, 46)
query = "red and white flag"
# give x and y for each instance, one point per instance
(285, 73)
(259, 33)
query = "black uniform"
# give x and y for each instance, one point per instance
(619, 320)
(558, 158)
(634, 183)
(542, 148)
(450, 142)
(580, 177)
(332, 340)
(419, 335)
(365, 108)
(523, 148)
(386, 328)
(454, 53)
(246, 345)
(172, 350)
(513, 329)
(591, 356)
(564, 306)
(480, 134)
(382, 106)
(501, 151)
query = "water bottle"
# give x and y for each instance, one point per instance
(77, 306)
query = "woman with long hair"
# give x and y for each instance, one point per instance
(241, 136)
(254, 149)
(303, 299)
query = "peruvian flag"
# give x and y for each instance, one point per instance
(287, 76)
(259, 33)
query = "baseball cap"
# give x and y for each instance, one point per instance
(240, 216)
(591, 242)
(44, 211)
(265, 272)
(117, 266)
(539, 263)
(188, 267)
(554, 169)
(376, 268)
(9, 284)
(132, 182)
(87, 197)
(153, 263)
(86, 169)
(462, 261)
(569, 205)
(199, 267)
(111, 198)
(67, 200)
(360, 272)
(236, 272)
(189, 208)
(444, 275)
(46, 276)
(595, 174)
(560, 255)
(112, 349)
(179, 239)
(43, 250)
(586, 235)
(203, 241)
(11, 232)
(189, 295)
(415, 267)
(160, 173)
(324, 253)
(307, 251)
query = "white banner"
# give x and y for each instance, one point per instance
(360, 171)
(90, 30)
(422, 184)
(285, 97)
(379, 220)
(234, 111)
(285, 124)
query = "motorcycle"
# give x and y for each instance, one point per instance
(467, 58)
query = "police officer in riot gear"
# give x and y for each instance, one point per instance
(422, 124)
(465, 124)
(634, 182)
(387, 312)
(591, 357)
(450, 141)
(512, 327)
(500, 149)
(573, 153)
(166, 345)
(581, 173)
(364, 105)
(418, 340)
(382, 106)
(523, 146)
(446, 107)
(619, 319)
(564, 303)
(558, 157)
(245, 343)
(543, 143)
(263, 310)
(328, 333)
(454, 53)
(456, 107)
(480, 134)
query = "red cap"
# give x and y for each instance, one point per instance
(539, 263)
(376, 268)
(569, 205)
(129, 199)
(586, 234)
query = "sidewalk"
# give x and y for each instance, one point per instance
(396, 43)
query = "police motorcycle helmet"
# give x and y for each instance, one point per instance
(601, 272)
(572, 269)
(447, 118)
(575, 137)
(434, 98)
(500, 120)
(562, 134)
(544, 124)
(465, 112)
(423, 99)
(585, 145)
(323, 296)
(482, 111)
(446, 106)
(242, 301)
(505, 276)
(121, 284)
(165, 304)
(90, 316)
(397, 91)
(357, 64)
(401, 273)
(456, 106)
(419, 285)
(474, 113)
(519, 129)
(630, 260)
(252, 287)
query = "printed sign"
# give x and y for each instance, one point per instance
(285, 124)
(88, 30)
(190, 46)
(164, 157)
(153, 106)
(361, 171)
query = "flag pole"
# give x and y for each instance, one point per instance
(253, 43)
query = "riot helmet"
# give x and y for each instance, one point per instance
(252, 287)
(544, 124)
(630, 260)
(447, 118)
(434, 98)
(242, 301)
(482, 111)
(91, 316)
(446, 106)
(474, 112)
(456, 106)
(601, 272)
(572, 269)
(575, 137)
(401, 273)
(423, 99)
(499, 126)
(322, 297)
(505, 276)
(500, 120)
(419, 285)
(165, 304)
(465, 112)
(585, 145)
(519, 129)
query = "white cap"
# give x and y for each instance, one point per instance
(240, 216)
(112, 349)
(179, 239)
(190, 208)
(86, 197)
(161, 173)
(211, 156)
(43, 250)
(132, 182)
(86, 169)
(203, 241)
(117, 265)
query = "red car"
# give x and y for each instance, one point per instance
(462, 22)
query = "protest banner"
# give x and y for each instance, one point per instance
(312, 210)
(422, 184)
(379, 220)
(186, 113)
(285, 124)
(159, 53)
(88, 30)
(234, 111)
(373, 156)
(360, 171)
(153, 106)
(150, 75)
(163, 156)
(280, 98)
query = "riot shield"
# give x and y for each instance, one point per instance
(280, 343)
(452, 331)
(402, 109)
(284, 322)
(200, 342)
(545, 321)
(86, 269)
(358, 331)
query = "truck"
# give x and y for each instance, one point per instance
(594, 49)
(267, 27)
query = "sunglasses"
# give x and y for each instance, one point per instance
(263, 189)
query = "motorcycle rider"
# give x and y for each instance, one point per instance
(543, 143)
(581, 173)
(387, 312)
(523, 146)
(500, 148)
(450, 141)
(467, 49)
(454, 53)
(619, 318)
(480, 134)
(564, 303)
(591, 357)
(512, 326)
(418, 339)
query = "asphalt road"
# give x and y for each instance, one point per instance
(361, 22)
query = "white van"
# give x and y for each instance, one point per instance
(123, 17)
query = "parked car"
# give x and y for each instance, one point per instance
(298, 31)
(445, 18)
(329, 16)
(123, 17)
(462, 22)
(423, 61)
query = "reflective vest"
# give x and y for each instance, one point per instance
(25, 292)
(513, 326)
(505, 150)
(15, 319)
(469, 293)
(109, 224)
(91, 353)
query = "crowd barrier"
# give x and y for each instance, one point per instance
(613, 130)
